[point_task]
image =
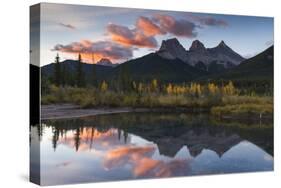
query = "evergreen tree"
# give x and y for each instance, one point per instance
(94, 74)
(63, 75)
(80, 75)
(57, 71)
(45, 84)
(124, 78)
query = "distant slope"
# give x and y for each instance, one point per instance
(152, 66)
(259, 67)
(71, 65)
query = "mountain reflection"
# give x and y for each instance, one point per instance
(145, 145)
(143, 163)
(197, 132)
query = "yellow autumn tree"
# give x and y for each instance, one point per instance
(154, 85)
(195, 89)
(181, 90)
(134, 84)
(198, 89)
(140, 88)
(169, 89)
(104, 86)
(176, 89)
(229, 89)
(186, 89)
(212, 88)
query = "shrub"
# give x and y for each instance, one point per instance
(220, 100)
(242, 109)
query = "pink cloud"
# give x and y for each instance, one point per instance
(130, 37)
(148, 27)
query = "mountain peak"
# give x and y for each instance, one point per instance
(171, 49)
(197, 45)
(222, 44)
(173, 42)
(105, 62)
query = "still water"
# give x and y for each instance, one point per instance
(150, 145)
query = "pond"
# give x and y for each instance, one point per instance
(150, 145)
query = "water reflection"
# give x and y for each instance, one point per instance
(142, 145)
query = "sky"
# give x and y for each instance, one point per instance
(120, 34)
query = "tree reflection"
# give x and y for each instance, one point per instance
(170, 131)
(77, 138)
(55, 137)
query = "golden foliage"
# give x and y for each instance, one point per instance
(104, 86)
(154, 85)
(229, 89)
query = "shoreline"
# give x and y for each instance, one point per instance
(68, 111)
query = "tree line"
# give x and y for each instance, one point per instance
(62, 76)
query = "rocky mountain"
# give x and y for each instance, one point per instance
(224, 53)
(173, 64)
(197, 46)
(259, 67)
(172, 49)
(106, 62)
(219, 58)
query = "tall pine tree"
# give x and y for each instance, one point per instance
(80, 80)
(57, 71)
(94, 73)
(125, 78)
(63, 75)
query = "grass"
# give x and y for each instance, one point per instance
(242, 109)
(232, 100)
(219, 104)
(88, 98)
(244, 105)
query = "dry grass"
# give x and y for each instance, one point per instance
(219, 104)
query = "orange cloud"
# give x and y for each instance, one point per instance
(130, 37)
(96, 50)
(148, 27)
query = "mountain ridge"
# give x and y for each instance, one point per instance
(221, 54)
(258, 67)
(175, 70)
(106, 62)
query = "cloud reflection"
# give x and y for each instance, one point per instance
(91, 138)
(142, 162)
